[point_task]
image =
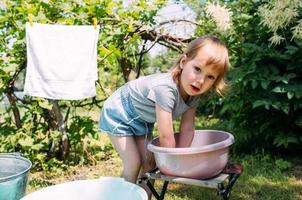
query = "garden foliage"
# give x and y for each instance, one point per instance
(264, 103)
(262, 107)
(29, 125)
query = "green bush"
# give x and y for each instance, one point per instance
(31, 125)
(264, 103)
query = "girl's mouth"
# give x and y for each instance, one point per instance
(195, 89)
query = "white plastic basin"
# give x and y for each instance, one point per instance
(205, 158)
(105, 188)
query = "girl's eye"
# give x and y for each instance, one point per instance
(211, 77)
(197, 69)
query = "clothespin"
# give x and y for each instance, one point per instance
(30, 19)
(95, 22)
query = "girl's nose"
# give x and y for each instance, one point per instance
(200, 79)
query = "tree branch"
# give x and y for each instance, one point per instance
(177, 21)
(141, 59)
(12, 97)
(167, 40)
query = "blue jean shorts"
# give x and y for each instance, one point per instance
(119, 117)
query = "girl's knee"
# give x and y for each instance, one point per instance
(148, 163)
(132, 165)
(131, 169)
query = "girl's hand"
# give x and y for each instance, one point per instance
(187, 128)
(165, 127)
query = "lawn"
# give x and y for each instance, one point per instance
(265, 177)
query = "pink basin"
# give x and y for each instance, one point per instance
(205, 158)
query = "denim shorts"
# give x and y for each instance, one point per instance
(119, 117)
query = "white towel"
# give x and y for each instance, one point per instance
(61, 61)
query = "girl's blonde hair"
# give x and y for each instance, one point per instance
(221, 59)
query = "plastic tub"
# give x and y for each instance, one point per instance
(105, 188)
(205, 158)
(13, 176)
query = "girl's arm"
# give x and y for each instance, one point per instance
(187, 128)
(165, 127)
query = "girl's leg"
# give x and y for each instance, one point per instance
(147, 160)
(126, 147)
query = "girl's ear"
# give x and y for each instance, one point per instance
(183, 61)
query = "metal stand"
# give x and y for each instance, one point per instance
(222, 182)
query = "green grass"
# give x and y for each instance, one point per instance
(262, 179)
(268, 177)
(265, 177)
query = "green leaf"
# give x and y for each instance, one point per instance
(261, 103)
(291, 49)
(290, 95)
(278, 89)
(254, 84)
(276, 105)
(285, 140)
(264, 84)
(26, 142)
(41, 157)
(282, 164)
(45, 104)
(298, 94)
(298, 121)
(285, 108)
(37, 147)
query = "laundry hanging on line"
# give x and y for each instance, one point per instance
(61, 61)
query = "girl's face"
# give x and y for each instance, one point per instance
(197, 77)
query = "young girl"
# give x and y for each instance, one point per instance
(129, 114)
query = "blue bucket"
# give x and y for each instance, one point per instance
(13, 176)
